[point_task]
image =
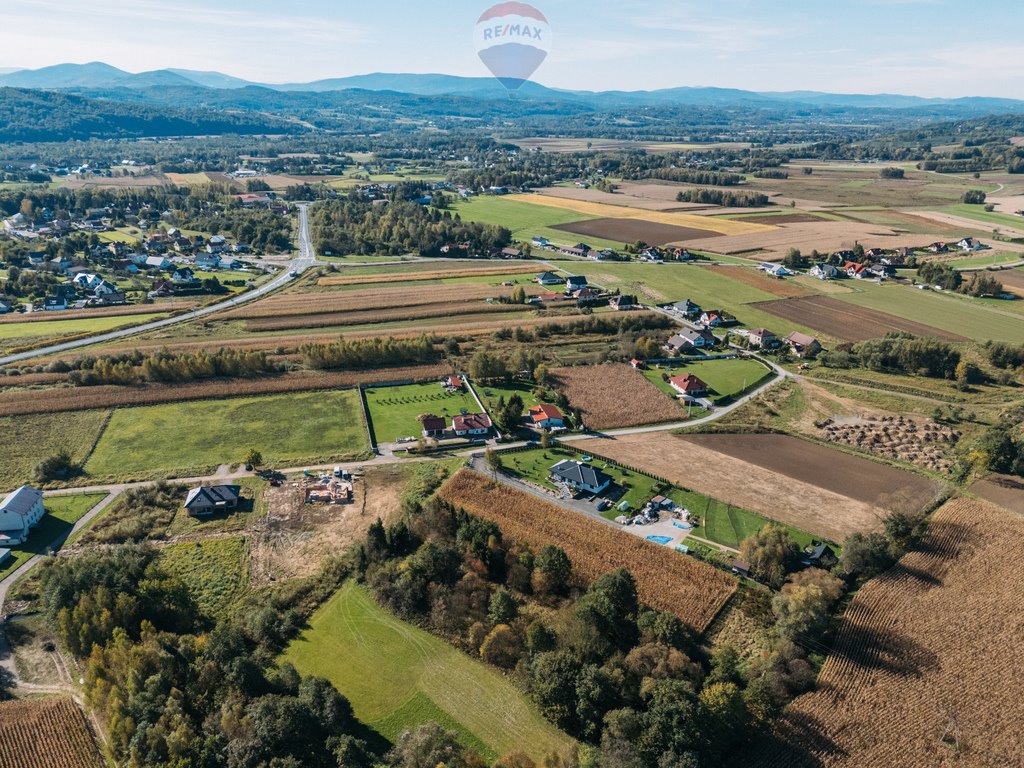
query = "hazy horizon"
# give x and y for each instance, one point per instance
(928, 48)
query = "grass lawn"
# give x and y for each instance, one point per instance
(956, 314)
(726, 378)
(214, 571)
(527, 220)
(729, 525)
(252, 506)
(179, 437)
(978, 213)
(55, 328)
(30, 439)
(62, 512)
(397, 676)
(987, 259)
(393, 410)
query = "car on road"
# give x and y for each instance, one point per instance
(294, 273)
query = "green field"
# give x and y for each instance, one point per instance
(398, 676)
(393, 410)
(993, 218)
(956, 314)
(62, 512)
(527, 220)
(726, 378)
(161, 440)
(214, 571)
(32, 438)
(729, 525)
(57, 328)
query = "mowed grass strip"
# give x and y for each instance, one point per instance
(192, 436)
(397, 676)
(690, 220)
(726, 378)
(54, 328)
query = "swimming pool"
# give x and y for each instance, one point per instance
(660, 539)
(684, 526)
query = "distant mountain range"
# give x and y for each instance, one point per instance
(99, 76)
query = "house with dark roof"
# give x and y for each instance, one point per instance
(820, 555)
(686, 308)
(624, 303)
(688, 340)
(20, 511)
(580, 476)
(549, 278)
(208, 499)
(471, 424)
(433, 426)
(575, 283)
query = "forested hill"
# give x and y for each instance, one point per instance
(28, 115)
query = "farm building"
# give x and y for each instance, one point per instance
(20, 511)
(433, 426)
(207, 499)
(689, 385)
(546, 417)
(803, 345)
(471, 424)
(580, 476)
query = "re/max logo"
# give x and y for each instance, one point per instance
(512, 30)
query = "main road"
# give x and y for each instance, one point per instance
(291, 271)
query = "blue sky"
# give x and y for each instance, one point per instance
(922, 47)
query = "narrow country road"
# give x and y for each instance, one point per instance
(291, 271)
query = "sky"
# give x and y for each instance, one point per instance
(932, 48)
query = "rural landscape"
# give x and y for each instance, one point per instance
(398, 421)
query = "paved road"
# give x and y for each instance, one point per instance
(298, 265)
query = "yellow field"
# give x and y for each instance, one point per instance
(603, 211)
(187, 179)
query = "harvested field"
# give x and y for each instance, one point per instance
(285, 304)
(647, 197)
(371, 316)
(600, 210)
(631, 230)
(614, 396)
(842, 320)
(755, 278)
(418, 277)
(786, 218)
(815, 489)
(922, 442)
(46, 733)
(88, 398)
(83, 314)
(1012, 280)
(1003, 490)
(925, 667)
(666, 580)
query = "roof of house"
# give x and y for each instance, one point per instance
(21, 501)
(578, 473)
(801, 339)
(471, 421)
(576, 280)
(549, 276)
(544, 412)
(213, 495)
(688, 383)
(625, 299)
(762, 333)
(820, 551)
(433, 423)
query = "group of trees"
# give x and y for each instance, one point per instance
(900, 353)
(723, 197)
(696, 176)
(977, 284)
(368, 353)
(166, 367)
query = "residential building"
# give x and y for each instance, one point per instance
(803, 345)
(824, 272)
(686, 308)
(575, 283)
(546, 417)
(624, 303)
(55, 304)
(580, 476)
(471, 424)
(688, 340)
(208, 499)
(763, 338)
(433, 426)
(549, 278)
(184, 276)
(20, 511)
(689, 385)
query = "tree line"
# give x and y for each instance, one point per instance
(723, 197)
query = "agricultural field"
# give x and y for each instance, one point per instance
(46, 733)
(919, 672)
(1002, 490)
(666, 580)
(725, 378)
(164, 440)
(397, 676)
(525, 219)
(825, 492)
(62, 512)
(632, 230)
(214, 570)
(394, 410)
(30, 439)
(24, 333)
(615, 396)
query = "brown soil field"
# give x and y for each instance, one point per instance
(790, 495)
(66, 399)
(972, 224)
(1003, 490)
(46, 733)
(615, 396)
(786, 218)
(845, 321)
(369, 316)
(301, 303)
(925, 668)
(83, 314)
(631, 230)
(439, 274)
(1012, 280)
(666, 580)
(757, 279)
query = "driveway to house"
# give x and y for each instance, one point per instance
(290, 272)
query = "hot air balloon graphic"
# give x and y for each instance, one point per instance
(512, 39)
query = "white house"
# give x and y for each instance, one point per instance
(824, 272)
(471, 424)
(87, 280)
(19, 511)
(582, 477)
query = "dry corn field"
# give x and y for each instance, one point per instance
(321, 302)
(612, 396)
(371, 316)
(419, 277)
(88, 398)
(927, 667)
(46, 733)
(666, 580)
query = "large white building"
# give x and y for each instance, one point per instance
(19, 511)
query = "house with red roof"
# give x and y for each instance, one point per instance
(546, 417)
(454, 383)
(689, 385)
(471, 424)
